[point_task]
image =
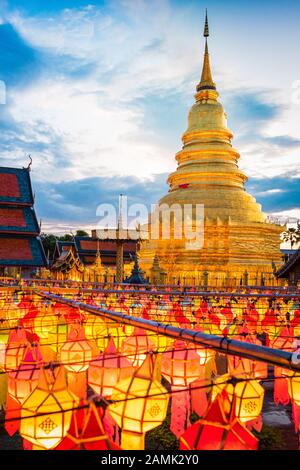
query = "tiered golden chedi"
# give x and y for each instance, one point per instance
(237, 237)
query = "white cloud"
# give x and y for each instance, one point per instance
(136, 50)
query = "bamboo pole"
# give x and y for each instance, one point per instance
(275, 357)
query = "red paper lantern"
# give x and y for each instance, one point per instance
(87, 431)
(180, 366)
(218, 431)
(23, 380)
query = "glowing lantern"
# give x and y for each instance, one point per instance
(15, 349)
(76, 353)
(87, 431)
(58, 335)
(4, 337)
(23, 380)
(12, 415)
(294, 388)
(140, 404)
(241, 367)
(223, 386)
(27, 322)
(136, 347)
(180, 366)
(115, 331)
(46, 413)
(281, 389)
(218, 431)
(108, 369)
(249, 398)
(205, 354)
(44, 321)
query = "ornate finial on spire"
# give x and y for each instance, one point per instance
(206, 82)
(206, 28)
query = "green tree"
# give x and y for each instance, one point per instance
(81, 233)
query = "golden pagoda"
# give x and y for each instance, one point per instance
(238, 240)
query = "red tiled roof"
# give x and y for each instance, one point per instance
(9, 185)
(105, 245)
(15, 249)
(12, 217)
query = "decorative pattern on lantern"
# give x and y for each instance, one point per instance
(76, 353)
(140, 404)
(180, 366)
(218, 431)
(136, 347)
(107, 369)
(46, 413)
(24, 380)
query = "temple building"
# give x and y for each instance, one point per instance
(21, 250)
(291, 270)
(239, 244)
(91, 259)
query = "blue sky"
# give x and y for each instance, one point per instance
(98, 93)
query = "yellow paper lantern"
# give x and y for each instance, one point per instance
(294, 388)
(58, 335)
(46, 413)
(249, 398)
(140, 404)
(44, 322)
(205, 354)
(76, 353)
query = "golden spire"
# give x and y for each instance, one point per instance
(206, 82)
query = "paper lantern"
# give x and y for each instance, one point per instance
(140, 404)
(136, 347)
(23, 380)
(294, 387)
(218, 431)
(15, 349)
(94, 327)
(44, 321)
(87, 431)
(76, 353)
(115, 331)
(4, 338)
(249, 397)
(180, 366)
(205, 355)
(58, 335)
(27, 322)
(223, 386)
(281, 387)
(107, 369)
(46, 413)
